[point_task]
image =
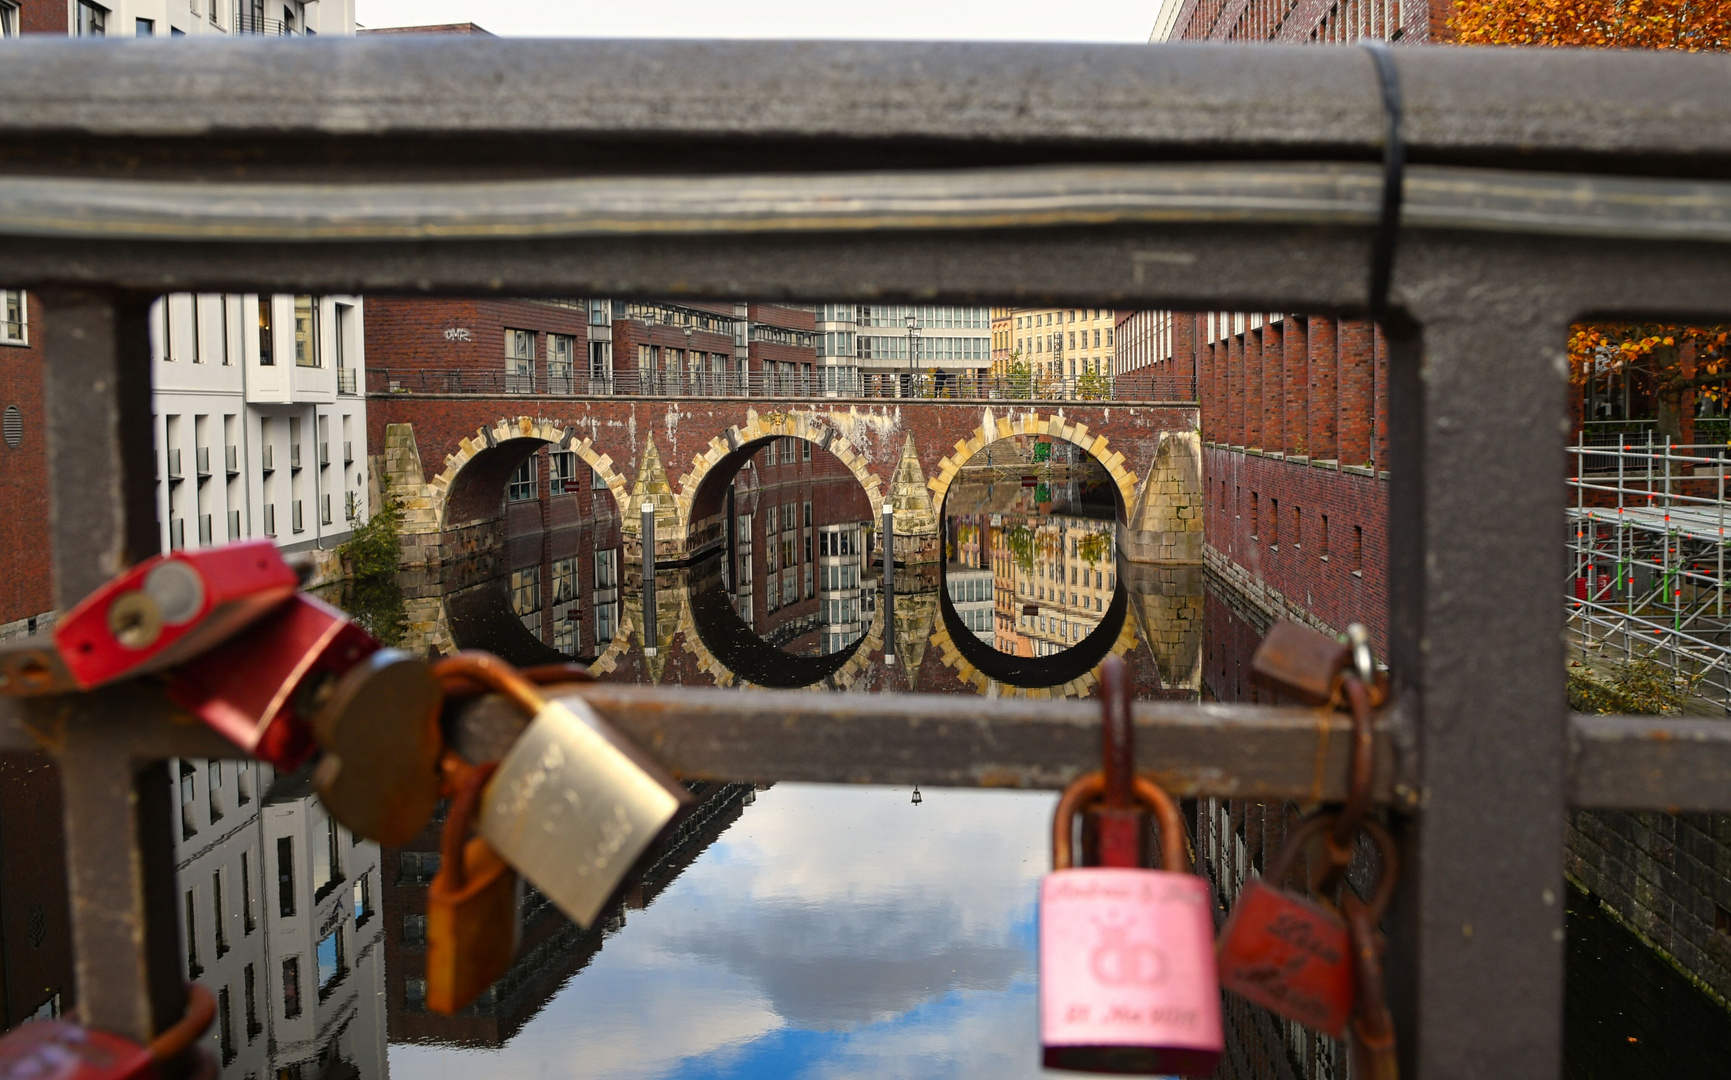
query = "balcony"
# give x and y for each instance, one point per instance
(245, 22)
(201, 458)
(270, 519)
(295, 518)
(267, 459)
(231, 460)
(176, 533)
(325, 511)
(174, 473)
(294, 455)
(204, 533)
(348, 452)
(234, 524)
(345, 380)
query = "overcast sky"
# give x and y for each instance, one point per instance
(954, 20)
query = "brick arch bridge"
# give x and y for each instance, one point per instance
(448, 458)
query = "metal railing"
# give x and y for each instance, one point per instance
(806, 385)
(1234, 187)
(346, 382)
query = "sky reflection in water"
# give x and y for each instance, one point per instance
(830, 932)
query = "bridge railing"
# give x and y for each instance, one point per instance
(812, 384)
(1476, 201)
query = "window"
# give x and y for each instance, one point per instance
(285, 876)
(249, 987)
(523, 487)
(1358, 549)
(363, 896)
(193, 968)
(8, 19)
(560, 362)
(327, 871)
(291, 987)
(92, 20)
(246, 920)
(144, 28)
(224, 1026)
(266, 355)
(519, 361)
(306, 332)
(1274, 522)
(218, 913)
(330, 960)
(1322, 541)
(14, 313)
(564, 478)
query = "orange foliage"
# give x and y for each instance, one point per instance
(1652, 349)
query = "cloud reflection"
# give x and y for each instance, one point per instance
(832, 931)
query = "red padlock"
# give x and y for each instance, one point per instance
(169, 609)
(1127, 981)
(1292, 955)
(261, 688)
(60, 1050)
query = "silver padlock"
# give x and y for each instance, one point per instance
(573, 803)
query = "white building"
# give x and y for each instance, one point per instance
(860, 345)
(178, 18)
(280, 920)
(260, 417)
(972, 595)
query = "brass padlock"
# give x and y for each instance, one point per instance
(473, 907)
(379, 733)
(574, 803)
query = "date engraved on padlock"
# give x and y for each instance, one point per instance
(572, 807)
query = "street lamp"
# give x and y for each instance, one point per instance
(913, 347)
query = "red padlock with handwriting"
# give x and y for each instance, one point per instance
(262, 687)
(170, 608)
(1127, 977)
(1290, 954)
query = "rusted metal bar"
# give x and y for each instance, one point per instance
(118, 802)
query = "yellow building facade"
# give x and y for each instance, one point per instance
(1061, 343)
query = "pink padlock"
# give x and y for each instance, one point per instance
(1127, 971)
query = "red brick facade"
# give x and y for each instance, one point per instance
(26, 588)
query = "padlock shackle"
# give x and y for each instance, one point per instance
(1174, 849)
(456, 835)
(1315, 823)
(492, 673)
(193, 1023)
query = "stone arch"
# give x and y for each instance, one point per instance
(742, 440)
(446, 488)
(954, 656)
(1032, 423)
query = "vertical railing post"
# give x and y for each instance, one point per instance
(1476, 951)
(118, 810)
(889, 546)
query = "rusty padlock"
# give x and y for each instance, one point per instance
(573, 803)
(62, 1050)
(1127, 978)
(380, 744)
(1290, 954)
(473, 906)
(262, 687)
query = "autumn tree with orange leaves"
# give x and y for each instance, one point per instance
(1670, 362)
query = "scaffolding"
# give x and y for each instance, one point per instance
(1647, 545)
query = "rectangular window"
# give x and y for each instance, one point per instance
(8, 19)
(224, 1026)
(519, 361)
(285, 876)
(1322, 541)
(246, 921)
(523, 486)
(330, 960)
(561, 358)
(266, 354)
(564, 478)
(1358, 549)
(291, 987)
(1298, 526)
(249, 994)
(1274, 522)
(14, 314)
(306, 332)
(1254, 516)
(414, 929)
(218, 913)
(193, 968)
(363, 896)
(92, 20)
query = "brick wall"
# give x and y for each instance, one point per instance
(26, 587)
(1265, 533)
(461, 335)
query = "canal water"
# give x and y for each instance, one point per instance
(790, 930)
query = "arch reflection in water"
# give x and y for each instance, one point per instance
(1031, 594)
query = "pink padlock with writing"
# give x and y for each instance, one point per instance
(1128, 982)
